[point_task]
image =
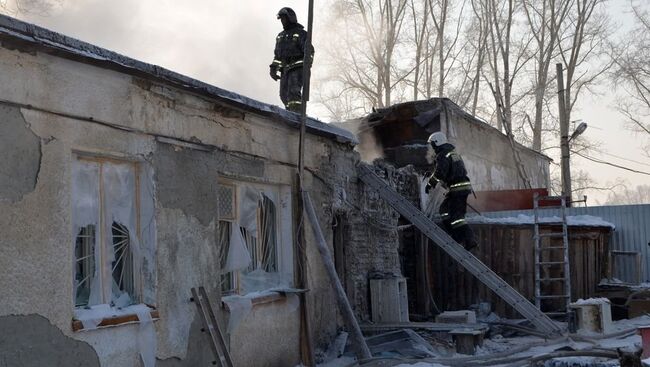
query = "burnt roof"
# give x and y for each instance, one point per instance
(67, 47)
(422, 113)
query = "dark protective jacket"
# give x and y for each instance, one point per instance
(289, 48)
(450, 170)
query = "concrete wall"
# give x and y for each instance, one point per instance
(52, 107)
(488, 156)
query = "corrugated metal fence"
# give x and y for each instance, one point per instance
(632, 231)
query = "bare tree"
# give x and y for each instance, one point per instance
(362, 57)
(38, 7)
(479, 44)
(544, 19)
(507, 58)
(584, 48)
(631, 73)
(419, 18)
(627, 195)
(382, 21)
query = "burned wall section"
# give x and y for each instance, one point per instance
(399, 134)
(20, 150)
(370, 237)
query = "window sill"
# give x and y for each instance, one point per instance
(77, 325)
(269, 297)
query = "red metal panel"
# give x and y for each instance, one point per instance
(492, 201)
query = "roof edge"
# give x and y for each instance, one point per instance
(68, 47)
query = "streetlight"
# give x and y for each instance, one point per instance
(579, 130)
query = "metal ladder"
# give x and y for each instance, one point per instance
(217, 342)
(458, 253)
(550, 257)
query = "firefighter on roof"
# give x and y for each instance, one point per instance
(450, 172)
(288, 61)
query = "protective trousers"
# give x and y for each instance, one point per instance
(452, 211)
(290, 89)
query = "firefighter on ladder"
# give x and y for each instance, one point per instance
(450, 172)
(288, 61)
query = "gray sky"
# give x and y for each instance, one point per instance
(229, 43)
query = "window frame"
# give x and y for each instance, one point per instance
(106, 226)
(282, 194)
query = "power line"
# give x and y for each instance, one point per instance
(625, 159)
(611, 164)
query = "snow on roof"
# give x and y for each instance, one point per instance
(65, 46)
(522, 219)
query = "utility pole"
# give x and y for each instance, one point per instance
(306, 344)
(564, 137)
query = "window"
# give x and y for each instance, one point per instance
(255, 237)
(105, 224)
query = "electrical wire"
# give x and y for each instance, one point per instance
(625, 159)
(596, 160)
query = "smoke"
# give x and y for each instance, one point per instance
(369, 147)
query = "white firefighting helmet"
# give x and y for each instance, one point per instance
(437, 139)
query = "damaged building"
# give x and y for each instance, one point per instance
(126, 187)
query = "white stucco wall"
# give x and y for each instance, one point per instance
(36, 249)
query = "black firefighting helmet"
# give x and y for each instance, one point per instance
(289, 13)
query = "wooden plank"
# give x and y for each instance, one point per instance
(431, 326)
(117, 320)
(346, 310)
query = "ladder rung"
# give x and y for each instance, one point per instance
(555, 234)
(552, 223)
(557, 313)
(552, 248)
(551, 263)
(553, 296)
(551, 279)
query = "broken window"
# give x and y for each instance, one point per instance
(255, 241)
(105, 224)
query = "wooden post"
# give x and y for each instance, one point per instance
(360, 346)
(564, 137)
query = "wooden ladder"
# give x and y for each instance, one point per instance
(217, 342)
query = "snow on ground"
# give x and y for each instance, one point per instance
(498, 346)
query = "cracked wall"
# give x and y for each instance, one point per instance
(108, 114)
(20, 150)
(371, 239)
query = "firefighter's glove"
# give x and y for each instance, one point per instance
(274, 73)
